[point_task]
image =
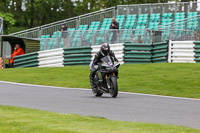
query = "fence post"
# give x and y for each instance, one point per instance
(114, 10)
(151, 36)
(171, 34)
(169, 50)
(77, 22)
(176, 8)
(80, 42)
(139, 10)
(188, 7)
(117, 10)
(144, 38)
(93, 39)
(39, 32)
(163, 9)
(117, 36)
(127, 10)
(197, 34)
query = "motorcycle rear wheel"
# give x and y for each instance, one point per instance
(114, 87)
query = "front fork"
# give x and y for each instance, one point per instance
(108, 79)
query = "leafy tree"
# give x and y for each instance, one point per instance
(8, 21)
(31, 13)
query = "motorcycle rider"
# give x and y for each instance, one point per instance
(104, 51)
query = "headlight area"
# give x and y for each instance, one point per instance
(107, 68)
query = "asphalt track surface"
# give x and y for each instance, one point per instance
(126, 107)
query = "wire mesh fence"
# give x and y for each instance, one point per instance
(163, 35)
(182, 29)
(158, 8)
(82, 38)
(71, 23)
(97, 16)
(111, 12)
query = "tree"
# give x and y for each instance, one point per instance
(31, 13)
(8, 21)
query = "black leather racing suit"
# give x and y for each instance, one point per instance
(97, 59)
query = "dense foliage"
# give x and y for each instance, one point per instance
(8, 21)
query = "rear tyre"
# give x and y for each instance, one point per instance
(96, 92)
(114, 87)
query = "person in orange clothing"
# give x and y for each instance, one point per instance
(17, 51)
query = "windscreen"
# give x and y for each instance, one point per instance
(108, 60)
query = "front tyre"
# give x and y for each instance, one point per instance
(96, 92)
(114, 87)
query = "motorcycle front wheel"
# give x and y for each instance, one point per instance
(114, 87)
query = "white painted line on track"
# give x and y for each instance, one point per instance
(84, 89)
(44, 86)
(162, 96)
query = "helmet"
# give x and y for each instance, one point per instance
(105, 48)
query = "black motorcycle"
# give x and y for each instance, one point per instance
(105, 79)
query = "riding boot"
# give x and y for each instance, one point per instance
(91, 80)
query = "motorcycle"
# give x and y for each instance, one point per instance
(105, 79)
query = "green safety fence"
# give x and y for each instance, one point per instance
(77, 56)
(26, 60)
(133, 53)
(137, 53)
(160, 52)
(145, 53)
(197, 51)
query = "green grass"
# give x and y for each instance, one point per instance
(22, 120)
(180, 80)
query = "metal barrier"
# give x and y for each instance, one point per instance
(84, 38)
(86, 19)
(151, 53)
(184, 33)
(163, 35)
(197, 51)
(51, 58)
(128, 53)
(108, 13)
(182, 22)
(125, 53)
(137, 53)
(77, 56)
(181, 52)
(26, 60)
(71, 23)
(158, 8)
(159, 52)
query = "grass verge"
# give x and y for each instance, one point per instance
(22, 120)
(180, 80)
